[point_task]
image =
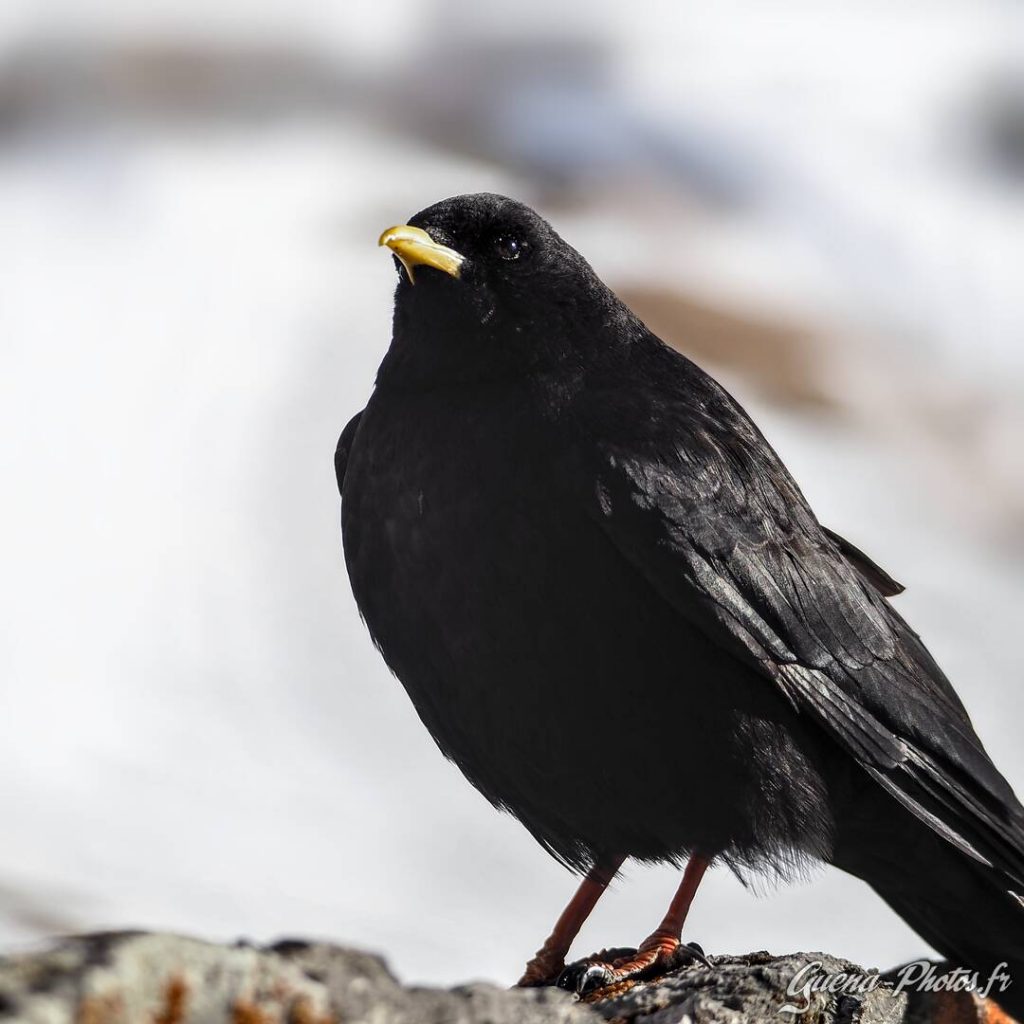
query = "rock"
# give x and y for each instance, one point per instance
(146, 978)
(149, 978)
(757, 987)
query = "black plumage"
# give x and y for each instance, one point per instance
(613, 608)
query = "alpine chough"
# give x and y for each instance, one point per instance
(614, 610)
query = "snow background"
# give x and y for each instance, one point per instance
(195, 732)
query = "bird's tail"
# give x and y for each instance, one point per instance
(965, 909)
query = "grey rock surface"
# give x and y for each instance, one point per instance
(757, 987)
(149, 978)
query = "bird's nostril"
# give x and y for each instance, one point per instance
(439, 235)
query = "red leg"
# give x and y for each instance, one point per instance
(671, 927)
(549, 960)
(658, 948)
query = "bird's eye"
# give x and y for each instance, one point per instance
(509, 248)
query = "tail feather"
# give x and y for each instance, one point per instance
(966, 910)
(973, 922)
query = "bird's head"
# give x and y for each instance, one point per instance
(486, 289)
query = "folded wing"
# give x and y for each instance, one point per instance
(701, 505)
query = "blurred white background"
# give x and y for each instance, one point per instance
(195, 732)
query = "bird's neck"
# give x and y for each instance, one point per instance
(438, 346)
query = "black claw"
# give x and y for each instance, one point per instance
(696, 952)
(573, 976)
(570, 976)
(594, 977)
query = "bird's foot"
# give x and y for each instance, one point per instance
(546, 968)
(611, 967)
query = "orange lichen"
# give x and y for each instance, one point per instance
(175, 998)
(245, 1012)
(302, 1012)
(107, 1009)
(993, 1013)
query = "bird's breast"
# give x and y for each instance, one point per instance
(541, 661)
(450, 522)
(484, 586)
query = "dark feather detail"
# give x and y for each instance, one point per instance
(341, 453)
(697, 500)
(869, 571)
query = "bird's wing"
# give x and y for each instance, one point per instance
(687, 488)
(866, 568)
(344, 447)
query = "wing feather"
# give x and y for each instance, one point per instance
(698, 501)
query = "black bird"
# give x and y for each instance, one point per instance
(614, 610)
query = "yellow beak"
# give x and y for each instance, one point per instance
(415, 248)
